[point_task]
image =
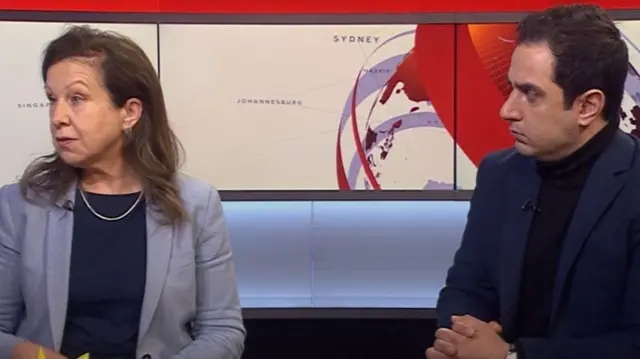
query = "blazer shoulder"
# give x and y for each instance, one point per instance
(12, 207)
(196, 194)
(203, 205)
(633, 143)
(10, 192)
(503, 157)
(634, 168)
(500, 160)
(11, 198)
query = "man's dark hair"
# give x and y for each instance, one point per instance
(588, 48)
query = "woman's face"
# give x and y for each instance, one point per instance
(86, 126)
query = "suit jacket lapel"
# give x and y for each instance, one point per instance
(159, 244)
(601, 188)
(522, 188)
(58, 241)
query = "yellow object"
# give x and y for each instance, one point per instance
(42, 356)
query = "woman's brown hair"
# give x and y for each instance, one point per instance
(153, 149)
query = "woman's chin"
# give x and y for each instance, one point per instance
(71, 159)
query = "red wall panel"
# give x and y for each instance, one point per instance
(76, 5)
(483, 52)
(298, 6)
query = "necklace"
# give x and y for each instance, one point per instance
(105, 218)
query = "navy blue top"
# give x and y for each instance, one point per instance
(107, 278)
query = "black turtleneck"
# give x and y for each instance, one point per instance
(561, 184)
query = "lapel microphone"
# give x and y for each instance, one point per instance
(529, 205)
(68, 205)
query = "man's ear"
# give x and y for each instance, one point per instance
(589, 106)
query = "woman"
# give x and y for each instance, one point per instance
(104, 247)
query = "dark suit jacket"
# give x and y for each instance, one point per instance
(596, 298)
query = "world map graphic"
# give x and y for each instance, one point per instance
(375, 141)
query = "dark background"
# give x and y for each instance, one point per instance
(338, 338)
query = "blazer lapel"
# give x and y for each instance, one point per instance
(521, 191)
(59, 236)
(601, 188)
(159, 244)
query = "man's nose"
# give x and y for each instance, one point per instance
(509, 113)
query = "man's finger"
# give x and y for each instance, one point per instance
(448, 335)
(468, 320)
(432, 353)
(463, 329)
(496, 327)
(445, 348)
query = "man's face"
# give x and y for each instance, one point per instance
(540, 124)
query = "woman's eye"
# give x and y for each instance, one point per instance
(76, 99)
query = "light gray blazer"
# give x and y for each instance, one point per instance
(190, 278)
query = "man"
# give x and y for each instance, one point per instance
(549, 264)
